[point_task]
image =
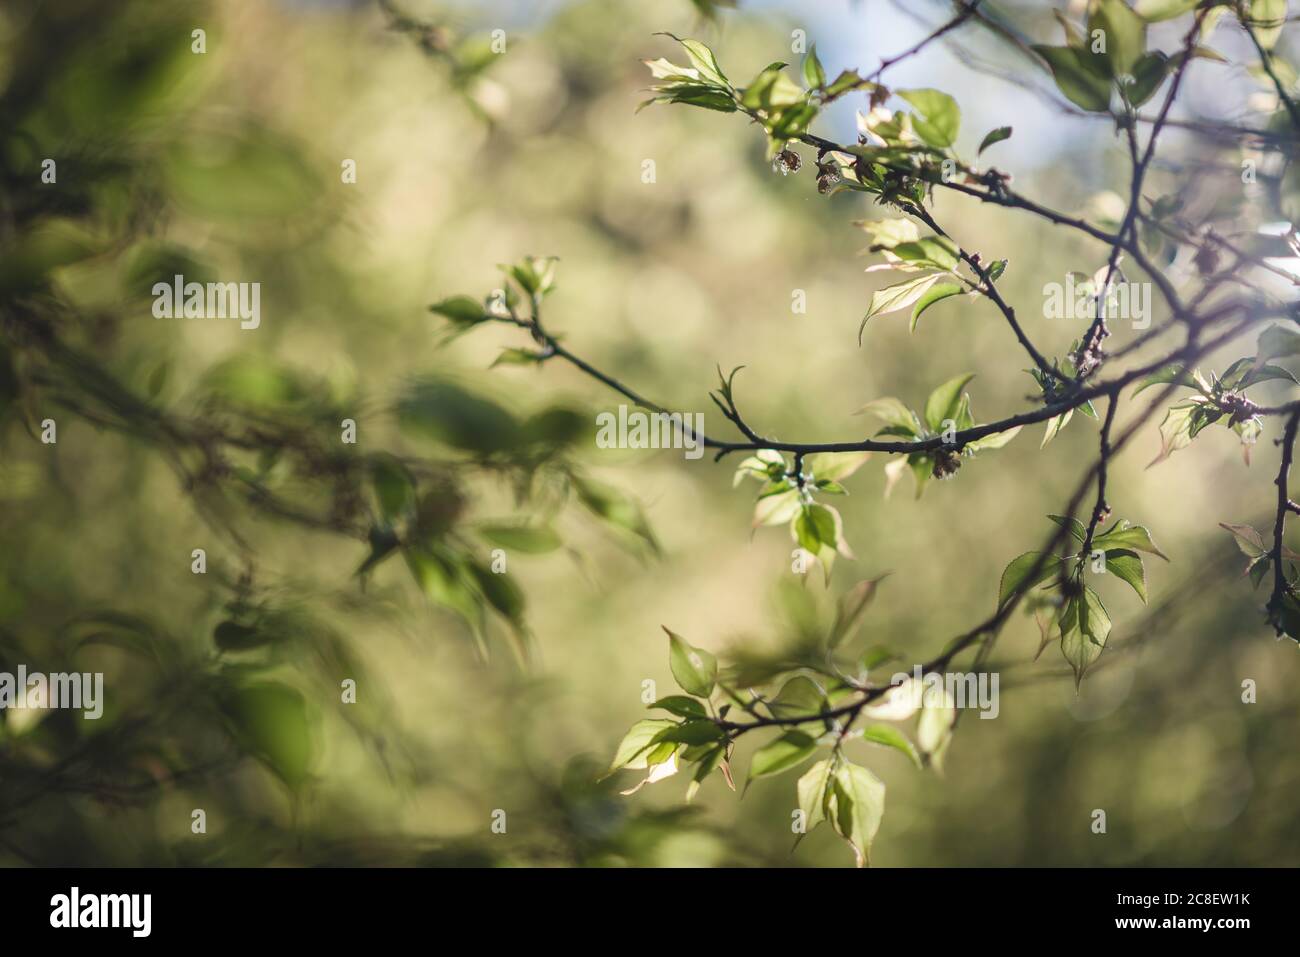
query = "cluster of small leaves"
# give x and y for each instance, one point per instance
(787, 495)
(1284, 602)
(1107, 56)
(801, 691)
(418, 521)
(904, 249)
(1057, 387)
(947, 412)
(1259, 557)
(1221, 399)
(1071, 611)
(897, 155)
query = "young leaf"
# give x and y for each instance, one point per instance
(528, 539)
(693, 668)
(1135, 537)
(938, 116)
(1055, 425)
(1075, 526)
(704, 62)
(814, 76)
(1017, 577)
(898, 296)
(811, 791)
(681, 706)
(944, 290)
(945, 401)
(858, 803)
(1126, 565)
(994, 136)
(1082, 85)
(890, 737)
(799, 696)
(994, 441)
(1084, 628)
(792, 748)
(894, 414)
(1124, 31)
(934, 726)
(835, 465)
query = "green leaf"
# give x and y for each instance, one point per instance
(890, 737)
(939, 118)
(994, 441)
(1248, 539)
(1258, 569)
(1134, 537)
(1174, 372)
(771, 89)
(616, 509)
(888, 233)
(994, 136)
(1016, 577)
(692, 731)
(1125, 34)
(705, 63)
(694, 668)
(777, 507)
(1148, 73)
(814, 76)
(451, 415)
(898, 296)
(894, 414)
(833, 466)
(1084, 628)
(798, 697)
(528, 539)
(934, 726)
(858, 803)
(938, 252)
(393, 484)
(632, 751)
(945, 401)
(1055, 425)
(270, 721)
(461, 310)
(812, 791)
(814, 527)
(535, 275)
(1081, 85)
(1277, 342)
(1176, 430)
(1126, 565)
(682, 706)
(944, 290)
(500, 591)
(787, 751)
(1156, 10)
(1075, 526)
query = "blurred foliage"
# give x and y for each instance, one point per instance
(372, 562)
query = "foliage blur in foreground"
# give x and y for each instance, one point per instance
(422, 647)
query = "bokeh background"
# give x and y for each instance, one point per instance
(227, 163)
